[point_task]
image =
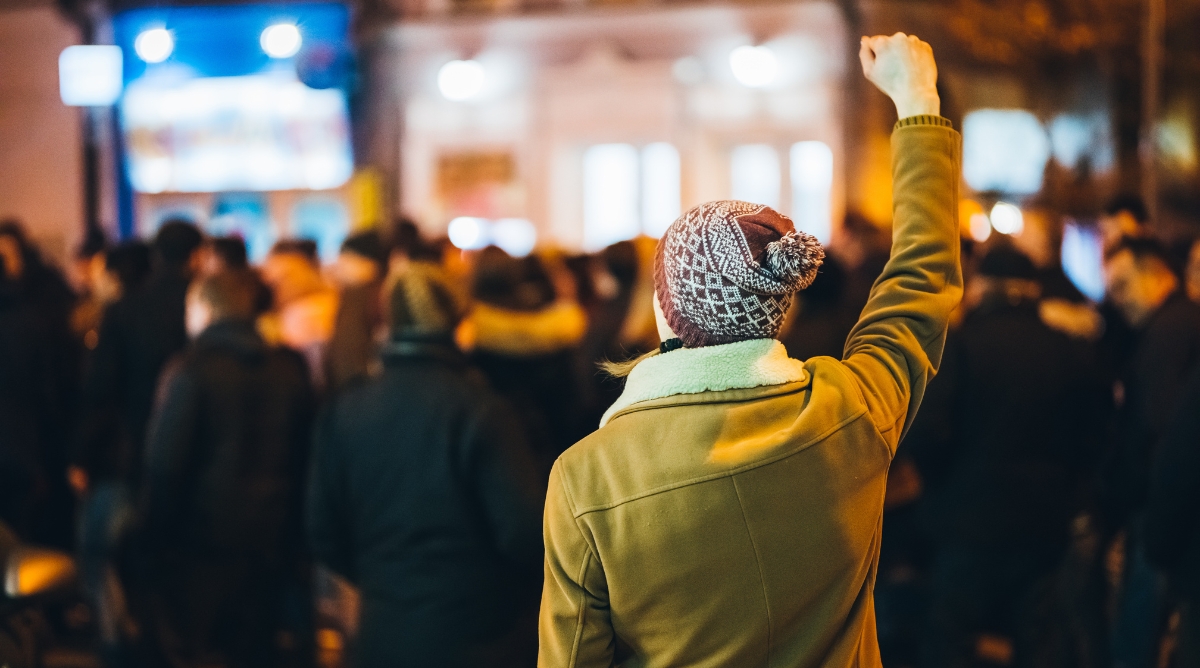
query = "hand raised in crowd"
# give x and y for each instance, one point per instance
(902, 66)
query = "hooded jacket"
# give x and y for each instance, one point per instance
(728, 511)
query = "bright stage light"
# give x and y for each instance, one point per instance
(461, 79)
(281, 40)
(754, 66)
(154, 45)
(1007, 218)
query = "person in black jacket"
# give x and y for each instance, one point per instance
(1165, 351)
(222, 494)
(139, 333)
(1172, 524)
(1025, 434)
(39, 370)
(426, 496)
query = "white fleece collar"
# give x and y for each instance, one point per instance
(733, 366)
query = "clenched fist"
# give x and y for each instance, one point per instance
(902, 66)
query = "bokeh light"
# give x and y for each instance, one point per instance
(154, 45)
(1007, 219)
(754, 66)
(460, 80)
(281, 40)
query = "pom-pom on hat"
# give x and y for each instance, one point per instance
(726, 271)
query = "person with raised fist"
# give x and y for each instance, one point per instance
(728, 511)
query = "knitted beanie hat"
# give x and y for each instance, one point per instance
(725, 271)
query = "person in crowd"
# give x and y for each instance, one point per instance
(619, 284)
(359, 271)
(1024, 440)
(1125, 217)
(39, 358)
(523, 331)
(1040, 240)
(728, 510)
(823, 315)
(86, 267)
(224, 254)
(1166, 349)
(222, 500)
(139, 333)
(426, 495)
(1172, 519)
(305, 305)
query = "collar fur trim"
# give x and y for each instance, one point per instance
(733, 366)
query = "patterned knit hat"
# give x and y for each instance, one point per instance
(725, 271)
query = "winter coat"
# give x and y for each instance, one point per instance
(728, 511)
(426, 496)
(1165, 353)
(227, 448)
(139, 334)
(1172, 522)
(1027, 417)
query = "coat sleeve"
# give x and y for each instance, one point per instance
(575, 628)
(170, 445)
(896, 347)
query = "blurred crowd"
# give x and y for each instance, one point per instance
(300, 462)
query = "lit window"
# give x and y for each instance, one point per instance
(812, 188)
(610, 195)
(754, 174)
(1004, 150)
(660, 188)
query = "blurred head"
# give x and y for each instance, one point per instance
(305, 248)
(224, 254)
(1193, 272)
(290, 276)
(726, 271)
(406, 237)
(16, 253)
(422, 302)
(1041, 237)
(125, 267)
(177, 244)
(1138, 278)
(1005, 274)
(363, 259)
(228, 295)
(517, 284)
(1125, 216)
(89, 260)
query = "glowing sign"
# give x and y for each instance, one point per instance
(254, 132)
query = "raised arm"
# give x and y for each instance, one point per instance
(896, 347)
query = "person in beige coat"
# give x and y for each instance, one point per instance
(728, 511)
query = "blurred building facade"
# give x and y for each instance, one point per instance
(586, 122)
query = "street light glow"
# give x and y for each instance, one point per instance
(281, 40)
(154, 45)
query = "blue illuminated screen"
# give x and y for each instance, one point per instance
(220, 114)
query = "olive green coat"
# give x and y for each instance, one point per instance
(728, 511)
